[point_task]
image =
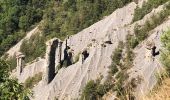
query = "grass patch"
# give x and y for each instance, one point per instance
(32, 81)
(161, 90)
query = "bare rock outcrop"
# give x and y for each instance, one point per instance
(69, 81)
(145, 65)
(98, 41)
(29, 70)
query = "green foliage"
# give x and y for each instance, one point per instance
(60, 18)
(12, 61)
(117, 56)
(89, 92)
(10, 40)
(131, 42)
(119, 86)
(34, 47)
(10, 89)
(122, 76)
(94, 90)
(165, 54)
(16, 17)
(147, 8)
(31, 81)
(71, 16)
(4, 71)
(142, 32)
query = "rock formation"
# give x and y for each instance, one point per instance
(95, 44)
(20, 62)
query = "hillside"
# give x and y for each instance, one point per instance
(87, 50)
(161, 92)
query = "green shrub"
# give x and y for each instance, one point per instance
(10, 89)
(147, 8)
(12, 63)
(113, 69)
(89, 92)
(131, 41)
(31, 81)
(165, 54)
(117, 54)
(128, 59)
(142, 32)
(120, 87)
(94, 90)
(34, 47)
(116, 57)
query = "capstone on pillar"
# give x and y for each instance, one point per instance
(20, 62)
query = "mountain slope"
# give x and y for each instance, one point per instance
(136, 68)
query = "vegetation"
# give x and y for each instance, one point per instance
(12, 61)
(117, 56)
(60, 17)
(31, 81)
(94, 90)
(124, 91)
(34, 47)
(165, 54)
(161, 89)
(160, 92)
(147, 8)
(10, 89)
(17, 17)
(142, 32)
(71, 16)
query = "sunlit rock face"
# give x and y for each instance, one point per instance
(94, 47)
(98, 42)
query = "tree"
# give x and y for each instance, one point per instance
(10, 89)
(89, 92)
(23, 22)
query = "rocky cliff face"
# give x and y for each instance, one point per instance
(98, 41)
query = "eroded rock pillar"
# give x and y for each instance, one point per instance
(50, 57)
(20, 62)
